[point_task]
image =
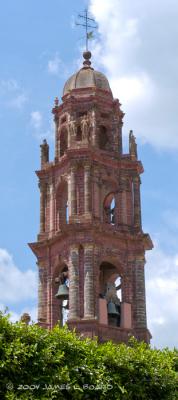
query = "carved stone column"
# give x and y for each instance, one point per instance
(93, 127)
(123, 219)
(49, 299)
(41, 295)
(74, 283)
(96, 193)
(87, 188)
(42, 187)
(56, 121)
(72, 192)
(52, 207)
(139, 295)
(127, 281)
(69, 194)
(124, 207)
(116, 135)
(44, 153)
(136, 201)
(120, 137)
(88, 283)
(96, 279)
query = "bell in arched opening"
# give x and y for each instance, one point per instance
(112, 309)
(63, 292)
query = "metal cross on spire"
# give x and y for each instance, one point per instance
(87, 22)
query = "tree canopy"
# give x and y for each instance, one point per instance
(39, 364)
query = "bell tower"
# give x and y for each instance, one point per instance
(91, 248)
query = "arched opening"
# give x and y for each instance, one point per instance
(109, 209)
(79, 134)
(63, 142)
(62, 294)
(103, 138)
(110, 294)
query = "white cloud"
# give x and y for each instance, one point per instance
(136, 49)
(12, 95)
(39, 126)
(57, 68)
(36, 119)
(132, 88)
(170, 217)
(10, 85)
(19, 101)
(162, 297)
(15, 285)
(55, 65)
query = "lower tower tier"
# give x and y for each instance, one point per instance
(95, 282)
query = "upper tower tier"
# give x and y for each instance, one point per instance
(87, 77)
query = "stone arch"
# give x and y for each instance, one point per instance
(110, 281)
(60, 306)
(109, 208)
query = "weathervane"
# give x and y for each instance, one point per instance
(88, 22)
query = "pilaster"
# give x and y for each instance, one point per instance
(43, 194)
(88, 282)
(137, 205)
(74, 312)
(87, 188)
(72, 193)
(42, 293)
(139, 293)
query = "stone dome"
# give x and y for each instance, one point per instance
(86, 77)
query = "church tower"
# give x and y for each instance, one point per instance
(91, 248)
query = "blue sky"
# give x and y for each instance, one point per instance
(135, 48)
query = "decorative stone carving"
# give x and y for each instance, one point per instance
(72, 129)
(25, 318)
(88, 282)
(93, 118)
(89, 166)
(85, 128)
(74, 283)
(132, 145)
(44, 153)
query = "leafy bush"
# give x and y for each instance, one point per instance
(40, 364)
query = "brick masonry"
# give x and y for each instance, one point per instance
(90, 169)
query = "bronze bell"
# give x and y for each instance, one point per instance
(112, 309)
(63, 292)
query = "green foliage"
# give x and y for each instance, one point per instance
(40, 364)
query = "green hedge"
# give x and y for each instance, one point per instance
(38, 364)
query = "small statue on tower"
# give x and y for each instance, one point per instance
(85, 128)
(25, 318)
(72, 126)
(44, 153)
(132, 145)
